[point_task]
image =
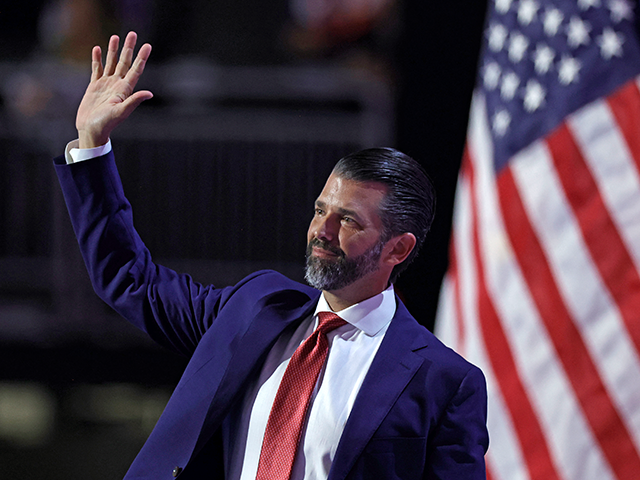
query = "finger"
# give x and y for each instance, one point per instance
(138, 66)
(112, 55)
(127, 54)
(96, 63)
(131, 103)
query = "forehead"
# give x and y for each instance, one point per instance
(363, 198)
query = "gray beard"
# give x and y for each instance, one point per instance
(330, 275)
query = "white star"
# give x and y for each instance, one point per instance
(527, 11)
(491, 75)
(510, 83)
(585, 4)
(568, 70)
(503, 6)
(552, 21)
(578, 32)
(518, 45)
(534, 96)
(497, 36)
(501, 122)
(620, 10)
(543, 58)
(610, 43)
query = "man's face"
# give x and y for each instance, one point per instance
(344, 235)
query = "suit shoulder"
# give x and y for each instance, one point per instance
(271, 287)
(443, 359)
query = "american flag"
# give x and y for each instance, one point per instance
(543, 287)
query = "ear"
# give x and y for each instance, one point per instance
(398, 248)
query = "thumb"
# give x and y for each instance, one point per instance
(133, 101)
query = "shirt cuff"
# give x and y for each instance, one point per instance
(73, 154)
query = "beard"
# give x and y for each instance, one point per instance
(338, 273)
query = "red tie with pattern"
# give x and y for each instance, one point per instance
(290, 406)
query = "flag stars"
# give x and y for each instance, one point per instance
(578, 32)
(534, 96)
(543, 58)
(620, 10)
(497, 36)
(551, 21)
(584, 5)
(518, 45)
(501, 122)
(568, 70)
(610, 43)
(503, 6)
(491, 75)
(527, 11)
(509, 86)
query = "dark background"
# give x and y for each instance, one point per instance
(243, 91)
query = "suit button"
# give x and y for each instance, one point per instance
(176, 471)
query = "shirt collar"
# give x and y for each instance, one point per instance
(370, 315)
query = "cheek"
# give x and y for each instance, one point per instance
(348, 242)
(355, 243)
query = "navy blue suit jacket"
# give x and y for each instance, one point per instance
(421, 410)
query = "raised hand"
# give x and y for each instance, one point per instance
(110, 98)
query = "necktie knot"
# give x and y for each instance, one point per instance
(328, 321)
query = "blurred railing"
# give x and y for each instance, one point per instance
(221, 166)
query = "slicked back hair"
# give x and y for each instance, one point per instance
(408, 206)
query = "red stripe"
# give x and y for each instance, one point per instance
(528, 430)
(453, 272)
(625, 105)
(598, 408)
(607, 248)
(489, 474)
(454, 283)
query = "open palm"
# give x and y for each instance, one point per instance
(110, 97)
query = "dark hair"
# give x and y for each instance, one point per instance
(409, 205)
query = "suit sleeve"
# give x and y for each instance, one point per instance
(457, 446)
(173, 309)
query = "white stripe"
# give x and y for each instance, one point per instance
(504, 454)
(505, 448)
(572, 448)
(595, 313)
(608, 156)
(448, 316)
(466, 261)
(596, 131)
(446, 325)
(504, 451)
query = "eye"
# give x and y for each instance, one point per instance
(318, 211)
(350, 222)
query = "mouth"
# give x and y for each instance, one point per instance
(320, 249)
(323, 253)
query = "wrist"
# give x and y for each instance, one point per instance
(89, 140)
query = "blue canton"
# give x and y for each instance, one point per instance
(542, 60)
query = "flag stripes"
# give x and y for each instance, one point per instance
(545, 292)
(522, 323)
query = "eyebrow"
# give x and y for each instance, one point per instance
(341, 211)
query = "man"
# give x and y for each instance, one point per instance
(386, 399)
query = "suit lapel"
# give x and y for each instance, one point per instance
(251, 351)
(392, 369)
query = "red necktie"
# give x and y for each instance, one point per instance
(290, 406)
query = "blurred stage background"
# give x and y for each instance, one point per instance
(254, 102)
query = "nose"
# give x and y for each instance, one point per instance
(325, 228)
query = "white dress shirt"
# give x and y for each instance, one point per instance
(352, 348)
(351, 351)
